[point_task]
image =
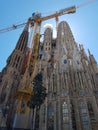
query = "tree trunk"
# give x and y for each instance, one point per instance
(34, 117)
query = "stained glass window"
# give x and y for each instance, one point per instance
(44, 113)
(73, 116)
(65, 116)
(91, 112)
(84, 116)
(65, 113)
(65, 61)
(50, 114)
(50, 110)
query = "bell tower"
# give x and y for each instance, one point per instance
(71, 81)
(11, 75)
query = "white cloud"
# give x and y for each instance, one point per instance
(53, 28)
(48, 26)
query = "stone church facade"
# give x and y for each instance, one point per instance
(71, 79)
(69, 75)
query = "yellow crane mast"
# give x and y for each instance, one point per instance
(25, 92)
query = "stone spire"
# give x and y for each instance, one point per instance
(15, 60)
(11, 75)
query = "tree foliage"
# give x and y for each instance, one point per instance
(39, 92)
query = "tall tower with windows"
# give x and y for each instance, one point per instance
(71, 81)
(47, 38)
(69, 75)
(11, 76)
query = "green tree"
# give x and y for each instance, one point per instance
(38, 95)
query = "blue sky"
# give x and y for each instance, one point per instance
(83, 23)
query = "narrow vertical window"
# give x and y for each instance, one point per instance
(65, 116)
(73, 116)
(44, 114)
(84, 116)
(90, 110)
(65, 111)
(50, 115)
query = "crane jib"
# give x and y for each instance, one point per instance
(68, 10)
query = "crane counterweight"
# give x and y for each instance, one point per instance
(68, 10)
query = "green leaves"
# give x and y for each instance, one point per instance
(39, 92)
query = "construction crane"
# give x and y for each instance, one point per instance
(37, 17)
(16, 26)
(25, 92)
